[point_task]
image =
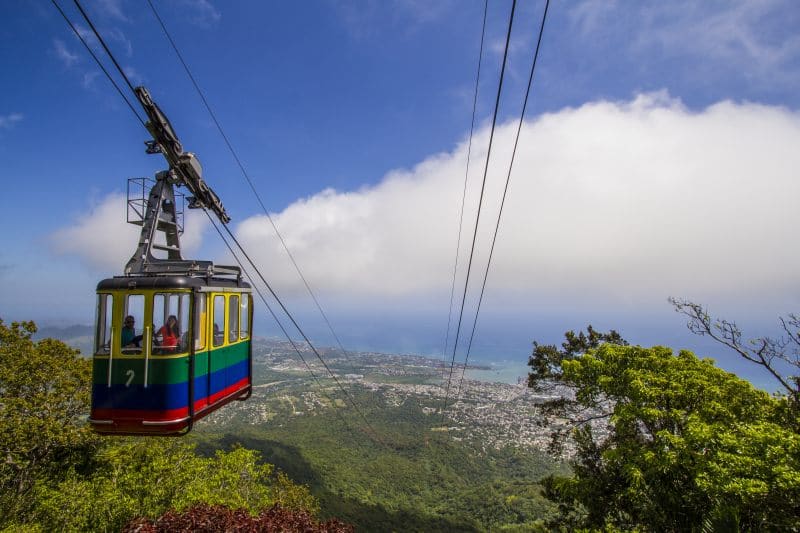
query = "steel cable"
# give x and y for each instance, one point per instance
(480, 204)
(505, 191)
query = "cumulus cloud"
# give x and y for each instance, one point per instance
(104, 241)
(632, 201)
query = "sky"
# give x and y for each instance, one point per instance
(658, 157)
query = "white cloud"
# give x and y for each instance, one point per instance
(631, 201)
(112, 9)
(62, 53)
(112, 34)
(115, 34)
(133, 75)
(756, 40)
(732, 34)
(104, 241)
(202, 12)
(88, 36)
(365, 19)
(88, 79)
(8, 121)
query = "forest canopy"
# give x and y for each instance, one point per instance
(58, 476)
(668, 441)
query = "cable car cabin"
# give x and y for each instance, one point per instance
(169, 350)
(173, 334)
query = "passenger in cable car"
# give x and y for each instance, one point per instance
(169, 334)
(128, 334)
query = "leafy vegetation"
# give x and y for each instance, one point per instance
(664, 442)
(412, 480)
(219, 518)
(685, 446)
(44, 388)
(58, 476)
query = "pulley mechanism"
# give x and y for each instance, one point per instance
(160, 224)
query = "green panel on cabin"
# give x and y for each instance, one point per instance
(226, 356)
(167, 371)
(159, 372)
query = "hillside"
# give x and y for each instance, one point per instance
(475, 472)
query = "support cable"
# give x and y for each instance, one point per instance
(505, 191)
(261, 295)
(105, 47)
(480, 204)
(302, 333)
(247, 178)
(275, 317)
(99, 64)
(464, 192)
(228, 231)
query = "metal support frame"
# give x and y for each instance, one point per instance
(160, 219)
(162, 216)
(138, 192)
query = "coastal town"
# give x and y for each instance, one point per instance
(480, 413)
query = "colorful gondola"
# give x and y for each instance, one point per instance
(173, 337)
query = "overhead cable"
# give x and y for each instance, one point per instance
(505, 191)
(464, 192)
(105, 47)
(227, 229)
(480, 204)
(99, 64)
(275, 317)
(246, 176)
(300, 330)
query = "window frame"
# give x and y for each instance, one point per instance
(233, 312)
(245, 309)
(105, 318)
(183, 314)
(127, 296)
(224, 326)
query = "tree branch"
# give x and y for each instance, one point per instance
(728, 334)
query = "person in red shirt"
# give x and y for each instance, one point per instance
(169, 333)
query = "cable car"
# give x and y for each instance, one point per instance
(173, 335)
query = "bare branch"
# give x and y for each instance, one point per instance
(764, 349)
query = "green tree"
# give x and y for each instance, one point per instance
(146, 478)
(56, 475)
(565, 412)
(44, 399)
(684, 446)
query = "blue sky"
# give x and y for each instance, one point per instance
(659, 158)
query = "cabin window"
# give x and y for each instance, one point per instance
(132, 324)
(199, 321)
(219, 320)
(245, 314)
(170, 323)
(233, 318)
(105, 308)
